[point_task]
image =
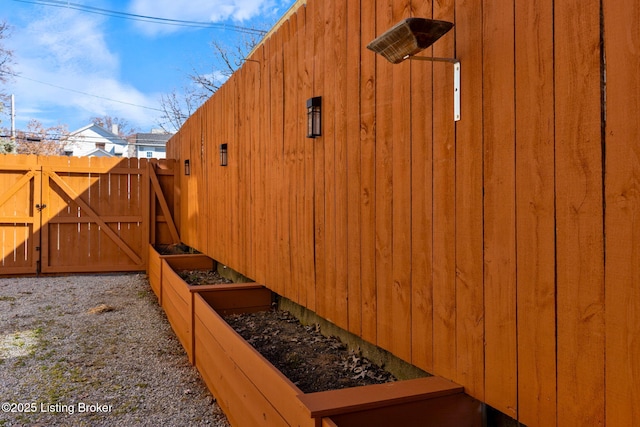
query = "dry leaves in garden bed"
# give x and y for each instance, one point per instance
(202, 277)
(310, 360)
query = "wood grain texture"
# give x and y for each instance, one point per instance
(443, 202)
(401, 207)
(328, 140)
(368, 92)
(19, 219)
(341, 143)
(421, 99)
(469, 201)
(499, 207)
(535, 147)
(474, 249)
(622, 214)
(316, 12)
(353, 165)
(384, 184)
(579, 214)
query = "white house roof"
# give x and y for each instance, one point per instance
(86, 140)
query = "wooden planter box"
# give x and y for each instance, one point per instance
(180, 261)
(252, 392)
(177, 296)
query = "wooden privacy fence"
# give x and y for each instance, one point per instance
(90, 214)
(501, 251)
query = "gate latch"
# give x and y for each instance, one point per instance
(40, 207)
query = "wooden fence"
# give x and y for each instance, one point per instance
(501, 251)
(63, 214)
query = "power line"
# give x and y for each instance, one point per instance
(84, 139)
(144, 18)
(83, 93)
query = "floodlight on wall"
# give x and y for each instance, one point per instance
(187, 167)
(411, 36)
(223, 154)
(314, 117)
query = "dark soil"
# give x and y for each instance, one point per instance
(175, 249)
(202, 277)
(310, 360)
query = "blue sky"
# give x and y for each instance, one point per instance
(62, 54)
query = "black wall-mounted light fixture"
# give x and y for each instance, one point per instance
(223, 154)
(411, 36)
(314, 117)
(187, 167)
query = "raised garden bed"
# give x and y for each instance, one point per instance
(183, 256)
(177, 295)
(253, 391)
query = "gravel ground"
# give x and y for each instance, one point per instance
(94, 351)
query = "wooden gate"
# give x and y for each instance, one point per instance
(67, 215)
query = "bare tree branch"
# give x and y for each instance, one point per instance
(40, 140)
(6, 62)
(178, 106)
(6, 55)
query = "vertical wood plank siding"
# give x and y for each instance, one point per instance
(579, 214)
(501, 251)
(534, 115)
(421, 206)
(469, 202)
(443, 148)
(622, 214)
(499, 206)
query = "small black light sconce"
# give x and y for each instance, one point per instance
(223, 154)
(187, 167)
(411, 36)
(314, 117)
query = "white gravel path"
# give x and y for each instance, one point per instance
(61, 365)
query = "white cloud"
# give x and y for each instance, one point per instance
(215, 11)
(67, 49)
(69, 40)
(63, 55)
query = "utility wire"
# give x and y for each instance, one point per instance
(83, 93)
(85, 139)
(144, 18)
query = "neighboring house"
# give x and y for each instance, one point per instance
(94, 140)
(149, 145)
